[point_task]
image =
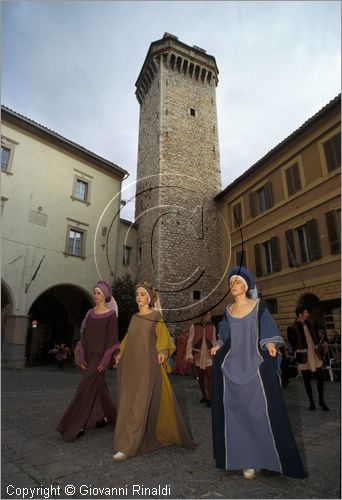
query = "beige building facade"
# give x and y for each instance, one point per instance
(284, 219)
(60, 234)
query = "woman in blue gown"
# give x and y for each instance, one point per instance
(251, 429)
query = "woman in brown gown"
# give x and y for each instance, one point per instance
(92, 405)
(148, 414)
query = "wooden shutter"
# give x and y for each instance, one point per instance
(237, 215)
(296, 178)
(268, 195)
(289, 183)
(334, 238)
(258, 261)
(275, 254)
(293, 179)
(329, 155)
(337, 147)
(332, 151)
(252, 204)
(313, 239)
(291, 249)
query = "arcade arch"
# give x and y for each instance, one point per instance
(57, 313)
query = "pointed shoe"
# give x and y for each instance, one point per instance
(119, 456)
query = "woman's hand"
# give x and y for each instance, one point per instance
(214, 350)
(272, 350)
(117, 358)
(84, 366)
(100, 368)
(161, 357)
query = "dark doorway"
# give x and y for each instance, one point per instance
(6, 308)
(57, 314)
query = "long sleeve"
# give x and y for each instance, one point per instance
(188, 354)
(224, 330)
(164, 343)
(80, 355)
(112, 343)
(164, 340)
(123, 343)
(269, 332)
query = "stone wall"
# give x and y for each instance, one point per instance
(178, 162)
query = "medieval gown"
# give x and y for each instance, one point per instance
(251, 429)
(181, 366)
(92, 401)
(148, 413)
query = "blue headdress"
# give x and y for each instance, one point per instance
(248, 277)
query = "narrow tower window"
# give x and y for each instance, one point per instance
(192, 112)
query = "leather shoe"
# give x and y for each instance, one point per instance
(80, 434)
(102, 423)
(324, 406)
(312, 406)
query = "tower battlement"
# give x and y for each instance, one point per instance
(192, 62)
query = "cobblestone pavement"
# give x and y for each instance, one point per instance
(35, 456)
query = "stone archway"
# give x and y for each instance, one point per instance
(58, 314)
(7, 306)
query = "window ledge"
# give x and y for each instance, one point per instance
(85, 202)
(82, 257)
(7, 172)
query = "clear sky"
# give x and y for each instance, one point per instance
(72, 67)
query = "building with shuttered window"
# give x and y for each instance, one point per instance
(284, 218)
(61, 232)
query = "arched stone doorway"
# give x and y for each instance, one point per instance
(58, 314)
(6, 308)
(313, 305)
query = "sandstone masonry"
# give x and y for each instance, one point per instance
(178, 175)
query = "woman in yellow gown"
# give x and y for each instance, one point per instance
(148, 413)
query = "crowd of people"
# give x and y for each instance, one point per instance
(239, 369)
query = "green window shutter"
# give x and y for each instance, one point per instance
(296, 178)
(252, 204)
(291, 249)
(289, 183)
(268, 194)
(332, 151)
(275, 253)
(334, 238)
(313, 239)
(237, 211)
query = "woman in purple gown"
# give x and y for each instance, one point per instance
(92, 405)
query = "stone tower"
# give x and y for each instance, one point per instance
(178, 175)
